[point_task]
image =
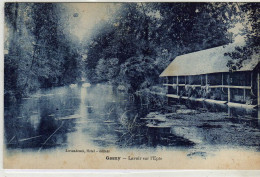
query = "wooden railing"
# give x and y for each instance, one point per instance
(211, 86)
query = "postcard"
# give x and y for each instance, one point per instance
(131, 85)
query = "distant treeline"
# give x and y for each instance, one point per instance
(143, 38)
(37, 52)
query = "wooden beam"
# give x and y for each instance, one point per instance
(230, 104)
(213, 86)
(173, 96)
(195, 85)
(215, 101)
(240, 105)
(168, 84)
(230, 86)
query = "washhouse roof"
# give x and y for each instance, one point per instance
(206, 61)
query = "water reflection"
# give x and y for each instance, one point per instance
(101, 116)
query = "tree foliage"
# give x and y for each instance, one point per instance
(145, 37)
(130, 49)
(39, 54)
(248, 15)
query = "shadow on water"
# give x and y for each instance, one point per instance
(30, 123)
(103, 116)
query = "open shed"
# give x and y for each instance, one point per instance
(204, 75)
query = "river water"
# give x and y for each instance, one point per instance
(100, 116)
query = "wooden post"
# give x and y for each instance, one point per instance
(258, 115)
(258, 90)
(244, 97)
(258, 97)
(251, 79)
(229, 96)
(206, 83)
(244, 90)
(222, 79)
(168, 87)
(177, 85)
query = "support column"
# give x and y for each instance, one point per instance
(206, 83)
(169, 82)
(229, 96)
(244, 90)
(252, 80)
(177, 81)
(222, 79)
(258, 90)
(229, 109)
(244, 96)
(258, 97)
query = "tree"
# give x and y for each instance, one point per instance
(147, 36)
(39, 53)
(249, 19)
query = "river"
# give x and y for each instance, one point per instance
(100, 116)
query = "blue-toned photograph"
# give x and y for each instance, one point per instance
(137, 85)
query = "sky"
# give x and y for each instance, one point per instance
(82, 17)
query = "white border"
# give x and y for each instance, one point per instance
(108, 173)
